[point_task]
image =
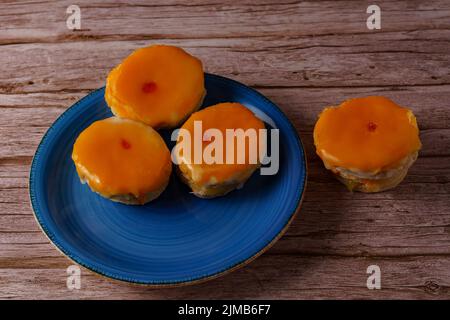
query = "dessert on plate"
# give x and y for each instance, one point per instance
(159, 85)
(368, 143)
(207, 178)
(122, 160)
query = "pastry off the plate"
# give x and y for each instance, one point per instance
(208, 180)
(368, 143)
(159, 85)
(122, 160)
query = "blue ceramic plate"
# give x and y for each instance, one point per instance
(178, 238)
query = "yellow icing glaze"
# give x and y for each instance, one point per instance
(367, 134)
(118, 157)
(222, 116)
(158, 85)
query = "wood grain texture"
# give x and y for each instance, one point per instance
(303, 56)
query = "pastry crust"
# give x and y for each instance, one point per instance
(130, 198)
(382, 181)
(214, 189)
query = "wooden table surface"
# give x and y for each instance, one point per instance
(303, 56)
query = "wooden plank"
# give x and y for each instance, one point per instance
(39, 22)
(300, 277)
(365, 60)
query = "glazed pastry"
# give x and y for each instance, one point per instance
(158, 85)
(368, 143)
(122, 160)
(217, 179)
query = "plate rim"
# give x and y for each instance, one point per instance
(37, 214)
